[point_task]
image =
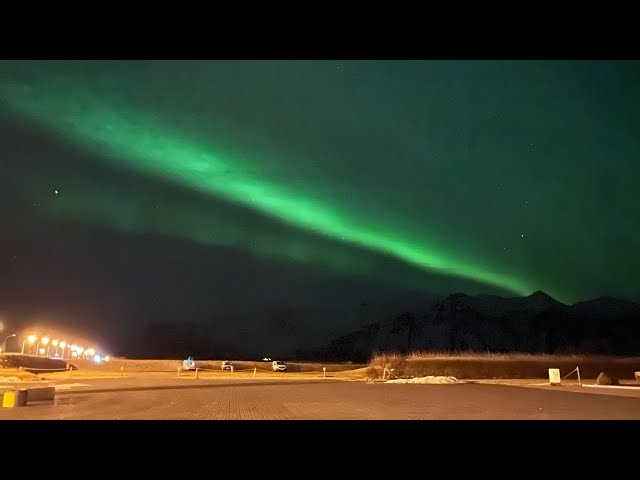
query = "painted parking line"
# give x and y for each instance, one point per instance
(66, 386)
(629, 387)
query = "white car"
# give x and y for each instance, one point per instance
(227, 365)
(189, 364)
(279, 366)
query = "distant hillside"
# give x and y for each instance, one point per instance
(536, 323)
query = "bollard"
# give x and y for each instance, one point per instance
(122, 372)
(16, 398)
(254, 372)
(196, 372)
(231, 368)
(70, 370)
(578, 370)
(384, 373)
(324, 372)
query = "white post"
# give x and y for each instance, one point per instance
(254, 372)
(231, 368)
(384, 373)
(122, 372)
(578, 370)
(324, 372)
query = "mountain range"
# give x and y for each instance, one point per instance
(536, 324)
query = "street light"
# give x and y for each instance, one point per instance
(30, 339)
(45, 342)
(54, 342)
(62, 345)
(42, 351)
(4, 344)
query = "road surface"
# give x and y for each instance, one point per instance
(187, 399)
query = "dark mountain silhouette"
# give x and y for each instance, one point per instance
(536, 324)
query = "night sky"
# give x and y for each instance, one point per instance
(239, 198)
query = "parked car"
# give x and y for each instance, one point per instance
(227, 365)
(189, 364)
(279, 366)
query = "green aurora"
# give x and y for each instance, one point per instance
(79, 104)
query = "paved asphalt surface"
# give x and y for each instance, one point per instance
(186, 399)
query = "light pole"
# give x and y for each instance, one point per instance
(30, 339)
(4, 344)
(44, 341)
(62, 345)
(54, 342)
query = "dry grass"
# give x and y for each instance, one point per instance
(468, 354)
(481, 365)
(24, 376)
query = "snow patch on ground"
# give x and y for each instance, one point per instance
(430, 380)
(10, 379)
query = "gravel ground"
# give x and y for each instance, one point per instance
(156, 397)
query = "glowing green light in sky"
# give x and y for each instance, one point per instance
(139, 141)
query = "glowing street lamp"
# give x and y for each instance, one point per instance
(79, 351)
(54, 342)
(42, 351)
(91, 352)
(63, 344)
(30, 339)
(43, 340)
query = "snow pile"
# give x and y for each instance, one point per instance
(430, 379)
(10, 379)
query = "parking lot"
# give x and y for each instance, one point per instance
(157, 396)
